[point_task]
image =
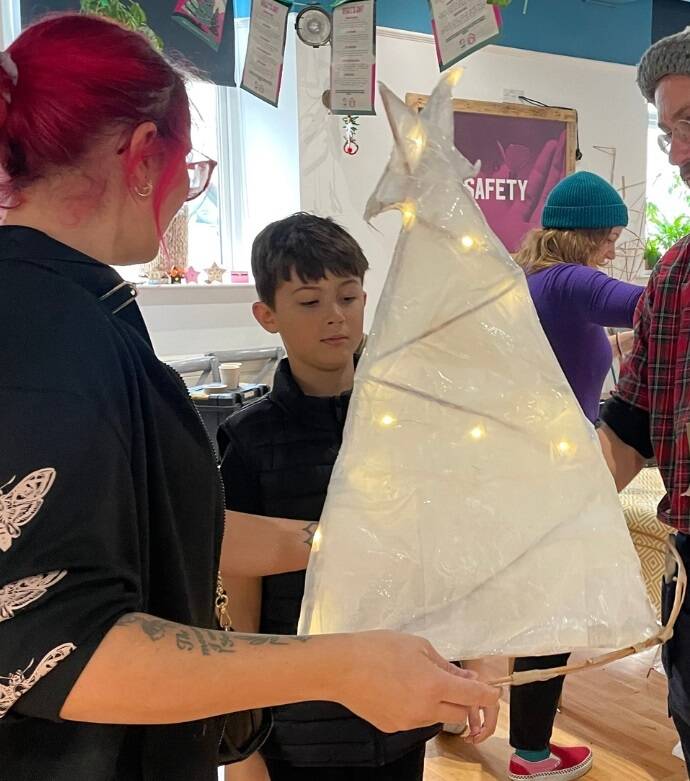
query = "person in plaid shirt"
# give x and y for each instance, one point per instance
(649, 412)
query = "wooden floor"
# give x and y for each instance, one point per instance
(620, 711)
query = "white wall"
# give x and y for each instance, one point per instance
(193, 321)
(611, 114)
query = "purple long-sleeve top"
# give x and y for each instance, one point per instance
(574, 303)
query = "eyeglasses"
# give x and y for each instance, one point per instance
(681, 132)
(199, 169)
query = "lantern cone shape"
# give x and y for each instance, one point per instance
(470, 502)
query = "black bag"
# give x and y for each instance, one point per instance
(243, 734)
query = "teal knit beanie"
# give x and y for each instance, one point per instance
(584, 200)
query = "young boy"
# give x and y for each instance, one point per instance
(278, 457)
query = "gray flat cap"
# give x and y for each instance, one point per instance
(667, 56)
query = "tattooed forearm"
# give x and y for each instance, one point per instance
(310, 530)
(154, 628)
(203, 641)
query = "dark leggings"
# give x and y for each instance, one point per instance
(533, 706)
(676, 653)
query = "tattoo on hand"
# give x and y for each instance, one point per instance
(204, 641)
(310, 531)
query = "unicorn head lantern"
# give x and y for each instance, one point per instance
(470, 502)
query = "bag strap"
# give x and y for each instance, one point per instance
(221, 605)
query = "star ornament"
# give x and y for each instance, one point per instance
(214, 273)
(191, 275)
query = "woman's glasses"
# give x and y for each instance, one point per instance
(199, 169)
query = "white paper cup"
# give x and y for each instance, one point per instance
(230, 374)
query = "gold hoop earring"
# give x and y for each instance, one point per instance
(145, 191)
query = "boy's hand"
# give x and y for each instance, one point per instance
(482, 725)
(399, 682)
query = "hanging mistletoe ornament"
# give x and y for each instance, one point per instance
(350, 128)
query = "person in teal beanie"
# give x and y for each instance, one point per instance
(575, 300)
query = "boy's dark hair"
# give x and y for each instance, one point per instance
(311, 245)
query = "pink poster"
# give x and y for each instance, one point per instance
(523, 158)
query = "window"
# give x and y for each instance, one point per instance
(665, 190)
(256, 146)
(660, 173)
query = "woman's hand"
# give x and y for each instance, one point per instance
(625, 341)
(399, 682)
(621, 343)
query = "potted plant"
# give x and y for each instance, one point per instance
(652, 252)
(126, 12)
(662, 232)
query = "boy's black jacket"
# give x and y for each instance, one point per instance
(278, 456)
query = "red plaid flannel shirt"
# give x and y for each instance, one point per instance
(656, 376)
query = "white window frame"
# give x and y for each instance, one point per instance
(232, 212)
(10, 22)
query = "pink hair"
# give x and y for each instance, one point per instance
(80, 76)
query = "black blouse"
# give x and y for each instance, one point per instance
(110, 502)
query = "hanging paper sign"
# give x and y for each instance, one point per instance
(353, 57)
(461, 27)
(263, 66)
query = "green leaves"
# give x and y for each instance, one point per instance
(126, 12)
(652, 252)
(137, 14)
(662, 232)
(667, 232)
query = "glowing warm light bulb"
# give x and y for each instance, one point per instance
(409, 214)
(454, 76)
(564, 447)
(467, 242)
(387, 420)
(417, 139)
(477, 433)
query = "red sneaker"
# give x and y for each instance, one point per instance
(564, 764)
